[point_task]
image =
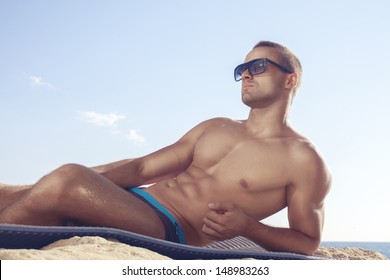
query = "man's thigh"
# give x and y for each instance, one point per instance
(98, 201)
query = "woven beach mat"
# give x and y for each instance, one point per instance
(36, 237)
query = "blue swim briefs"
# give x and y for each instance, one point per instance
(173, 231)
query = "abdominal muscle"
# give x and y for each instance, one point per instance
(187, 202)
(187, 197)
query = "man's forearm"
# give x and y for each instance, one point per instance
(106, 167)
(281, 239)
(124, 173)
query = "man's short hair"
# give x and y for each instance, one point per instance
(287, 58)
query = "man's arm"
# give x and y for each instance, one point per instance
(305, 198)
(165, 163)
(226, 221)
(109, 166)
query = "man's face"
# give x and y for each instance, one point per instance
(259, 90)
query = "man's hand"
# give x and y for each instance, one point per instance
(224, 221)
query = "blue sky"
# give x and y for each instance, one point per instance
(97, 81)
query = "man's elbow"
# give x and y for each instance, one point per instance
(310, 247)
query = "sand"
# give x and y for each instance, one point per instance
(82, 248)
(350, 253)
(97, 248)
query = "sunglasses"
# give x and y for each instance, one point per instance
(256, 67)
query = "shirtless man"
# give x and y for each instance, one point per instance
(217, 182)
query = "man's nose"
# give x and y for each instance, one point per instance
(246, 75)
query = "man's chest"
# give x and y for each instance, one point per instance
(234, 158)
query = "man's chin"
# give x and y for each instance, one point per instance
(246, 99)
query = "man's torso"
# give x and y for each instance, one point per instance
(230, 165)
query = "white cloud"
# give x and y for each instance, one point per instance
(136, 138)
(99, 119)
(111, 121)
(36, 81)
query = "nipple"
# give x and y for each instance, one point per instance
(244, 183)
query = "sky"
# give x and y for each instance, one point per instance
(92, 82)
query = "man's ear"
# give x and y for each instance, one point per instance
(291, 81)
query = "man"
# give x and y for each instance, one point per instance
(217, 182)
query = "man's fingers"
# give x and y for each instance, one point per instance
(221, 206)
(211, 233)
(212, 220)
(214, 216)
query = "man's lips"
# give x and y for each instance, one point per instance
(246, 85)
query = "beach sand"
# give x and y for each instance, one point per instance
(349, 253)
(97, 248)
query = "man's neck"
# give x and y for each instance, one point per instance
(268, 122)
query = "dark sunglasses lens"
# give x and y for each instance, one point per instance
(238, 72)
(257, 67)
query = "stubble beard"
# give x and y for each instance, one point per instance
(256, 101)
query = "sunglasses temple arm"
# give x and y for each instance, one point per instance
(285, 69)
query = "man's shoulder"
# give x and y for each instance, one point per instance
(218, 120)
(213, 122)
(197, 131)
(309, 162)
(303, 151)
